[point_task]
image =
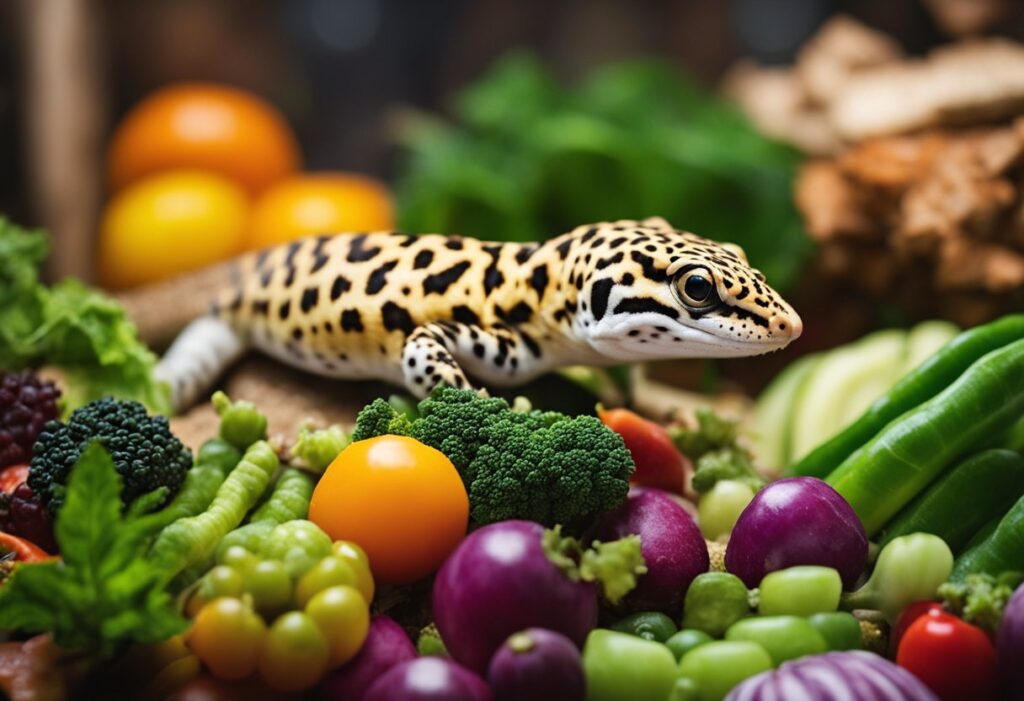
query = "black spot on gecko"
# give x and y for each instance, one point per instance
(378, 278)
(290, 278)
(639, 305)
(319, 259)
(563, 248)
(260, 307)
(616, 242)
(651, 270)
(627, 279)
(591, 233)
(453, 244)
(266, 276)
(423, 259)
(478, 350)
(519, 314)
(351, 320)
(297, 333)
(310, 296)
(744, 291)
(530, 343)
(493, 277)
(341, 285)
(539, 280)
(524, 253)
(603, 263)
(284, 310)
(440, 282)
(600, 291)
(358, 252)
(397, 318)
(464, 315)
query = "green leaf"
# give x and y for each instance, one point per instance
(105, 594)
(71, 326)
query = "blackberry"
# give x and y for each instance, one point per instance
(26, 404)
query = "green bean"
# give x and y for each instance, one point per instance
(957, 505)
(917, 386)
(198, 490)
(194, 539)
(289, 499)
(241, 423)
(1002, 551)
(882, 476)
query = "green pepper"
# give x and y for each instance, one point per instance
(841, 630)
(960, 503)
(714, 601)
(883, 475)
(714, 669)
(649, 625)
(623, 667)
(685, 640)
(914, 388)
(784, 637)
(220, 454)
(241, 423)
(1002, 551)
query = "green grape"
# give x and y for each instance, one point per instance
(721, 506)
(270, 586)
(686, 640)
(221, 581)
(238, 558)
(840, 629)
(330, 571)
(718, 666)
(784, 637)
(800, 591)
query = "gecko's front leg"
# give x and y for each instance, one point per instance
(441, 353)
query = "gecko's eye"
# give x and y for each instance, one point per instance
(696, 289)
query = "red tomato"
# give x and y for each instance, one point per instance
(954, 659)
(907, 616)
(658, 462)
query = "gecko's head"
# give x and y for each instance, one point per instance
(651, 291)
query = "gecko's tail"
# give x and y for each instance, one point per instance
(198, 356)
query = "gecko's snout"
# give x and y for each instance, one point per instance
(786, 326)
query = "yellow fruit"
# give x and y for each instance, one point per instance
(168, 224)
(317, 203)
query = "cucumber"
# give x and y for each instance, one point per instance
(848, 377)
(773, 413)
(959, 504)
(1002, 551)
(925, 340)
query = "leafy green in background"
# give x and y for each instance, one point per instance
(71, 326)
(104, 594)
(530, 159)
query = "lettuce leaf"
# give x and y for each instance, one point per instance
(70, 326)
(105, 594)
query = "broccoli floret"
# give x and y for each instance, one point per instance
(378, 418)
(980, 598)
(726, 464)
(540, 466)
(145, 452)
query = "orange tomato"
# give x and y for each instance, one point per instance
(316, 203)
(402, 501)
(168, 224)
(212, 127)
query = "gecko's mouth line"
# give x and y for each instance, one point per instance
(693, 338)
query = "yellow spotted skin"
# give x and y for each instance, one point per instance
(419, 310)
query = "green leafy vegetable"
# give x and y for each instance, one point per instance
(716, 453)
(71, 326)
(634, 139)
(614, 566)
(105, 594)
(981, 598)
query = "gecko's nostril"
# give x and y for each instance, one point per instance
(786, 326)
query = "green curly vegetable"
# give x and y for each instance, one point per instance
(289, 499)
(980, 598)
(318, 448)
(541, 466)
(241, 423)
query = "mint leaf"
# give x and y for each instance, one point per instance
(105, 594)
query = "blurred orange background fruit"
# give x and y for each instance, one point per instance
(211, 127)
(317, 203)
(168, 224)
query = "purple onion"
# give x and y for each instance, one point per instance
(428, 679)
(386, 646)
(1010, 645)
(500, 581)
(854, 675)
(797, 521)
(537, 664)
(672, 545)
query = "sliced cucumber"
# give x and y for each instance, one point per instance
(925, 339)
(773, 413)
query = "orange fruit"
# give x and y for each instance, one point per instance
(212, 127)
(168, 224)
(317, 203)
(403, 502)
